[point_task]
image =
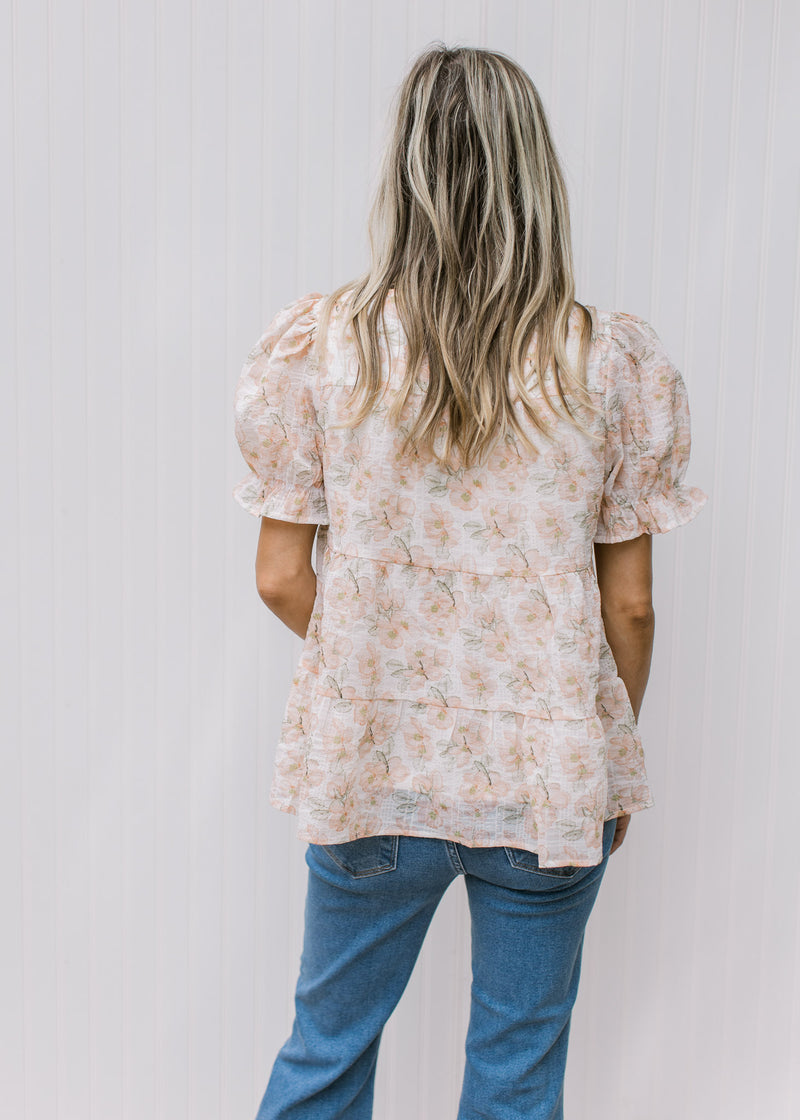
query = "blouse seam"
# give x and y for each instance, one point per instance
(465, 571)
(526, 713)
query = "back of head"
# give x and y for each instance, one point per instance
(470, 231)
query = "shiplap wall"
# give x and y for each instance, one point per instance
(175, 172)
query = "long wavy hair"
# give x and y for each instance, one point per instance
(470, 230)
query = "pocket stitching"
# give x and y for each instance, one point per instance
(550, 872)
(363, 872)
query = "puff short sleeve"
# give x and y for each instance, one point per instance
(276, 422)
(648, 438)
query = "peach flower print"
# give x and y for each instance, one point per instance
(494, 637)
(527, 678)
(419, 743)
(340, 796)
(552, 526)
(301, 770)
(438, 718)
(483, 784)
(572, 691)
(425, 663)
(504, 523)
(572, 483)
(428, 784)
(578, 636)
(476, 676)
(376, 733)
(393, 513)
(465, 491)
(382, 772)
(455, 678)
(441, 610)
(533, 618)
(577, 760)
(363, 480)
(369, 663)
(439, 526)
(391, 623)
(555, 801)
(467, 742)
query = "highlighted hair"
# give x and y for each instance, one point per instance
(470, 230)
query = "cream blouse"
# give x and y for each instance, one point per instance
(455, 680)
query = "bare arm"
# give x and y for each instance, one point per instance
(284, 576)
(625, 578)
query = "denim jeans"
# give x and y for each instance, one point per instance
(368, 906)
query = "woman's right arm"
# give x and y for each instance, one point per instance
(625, 578)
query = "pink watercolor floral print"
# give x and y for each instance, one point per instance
(455, 680)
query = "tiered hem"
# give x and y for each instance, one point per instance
(494, 831)
(352, 768)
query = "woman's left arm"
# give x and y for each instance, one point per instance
(284, 576)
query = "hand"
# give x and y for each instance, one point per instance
(619, 835)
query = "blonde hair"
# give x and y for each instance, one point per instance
(470, 230)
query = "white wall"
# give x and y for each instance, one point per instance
(179, 170)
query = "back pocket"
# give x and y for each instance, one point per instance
(529, 861)
(368, 855)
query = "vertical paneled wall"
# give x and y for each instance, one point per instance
(172, 174)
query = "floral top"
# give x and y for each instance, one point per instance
(455, 680)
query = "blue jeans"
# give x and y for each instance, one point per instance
(368, 906)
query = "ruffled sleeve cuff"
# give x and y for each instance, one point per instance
(283, 502)
(654, 513)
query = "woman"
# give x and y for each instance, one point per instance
(483, 461)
